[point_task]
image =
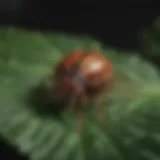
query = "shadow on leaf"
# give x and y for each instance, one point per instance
(43, 103)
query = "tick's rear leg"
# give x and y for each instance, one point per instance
(125, 86)
(79, 111)
(71, 104)
(99, 109)
(80, 115)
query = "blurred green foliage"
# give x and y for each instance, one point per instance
(150, 40)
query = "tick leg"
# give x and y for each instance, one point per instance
(123, 80)
(80, 115)
(71, 104)
(99, 110)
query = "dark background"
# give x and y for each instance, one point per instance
(113, 23)
(117, 24)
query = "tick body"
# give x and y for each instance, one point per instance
(82, 75)
(80, 72)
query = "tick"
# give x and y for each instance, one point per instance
(80, 76)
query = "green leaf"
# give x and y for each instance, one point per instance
(131, 129)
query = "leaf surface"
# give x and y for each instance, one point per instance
(131, 125)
